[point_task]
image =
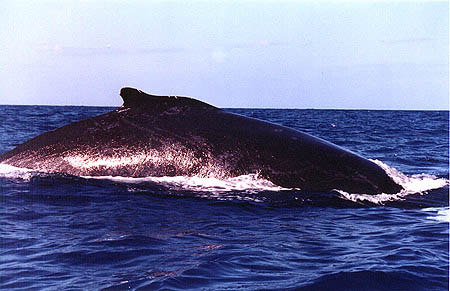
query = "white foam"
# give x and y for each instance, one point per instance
(411, 185)
(251, 183)
(247, 183)
(441, 214)
(11, 172)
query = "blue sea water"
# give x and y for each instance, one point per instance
(61, 232)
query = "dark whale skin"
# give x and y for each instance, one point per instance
(180, 136)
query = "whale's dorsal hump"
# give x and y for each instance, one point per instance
(135, 98)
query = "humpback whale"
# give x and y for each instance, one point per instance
(153, 135)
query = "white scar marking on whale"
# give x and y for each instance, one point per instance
(168, 156)
(86, 162)
(158, 158)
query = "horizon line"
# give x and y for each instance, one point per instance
(269, 108)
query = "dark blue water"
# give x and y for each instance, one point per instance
(62, 232)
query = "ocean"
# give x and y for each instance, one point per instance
(60, 232)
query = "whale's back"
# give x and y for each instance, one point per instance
(181, 136)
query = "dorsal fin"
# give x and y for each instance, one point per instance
(134, 98)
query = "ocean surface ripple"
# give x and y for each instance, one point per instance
(63, 232)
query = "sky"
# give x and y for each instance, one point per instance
(258, 54)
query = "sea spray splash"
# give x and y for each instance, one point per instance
(11, 172)
(251, 183)
(420, 183)
(441, 214)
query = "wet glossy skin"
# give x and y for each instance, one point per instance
(179, 136)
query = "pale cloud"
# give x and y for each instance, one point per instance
(257, 44)
(219, 55)
(408, 40)
(106, 50)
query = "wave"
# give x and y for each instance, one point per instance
(375, 280)
(415, 184)
(11, 172)
(248, 183)
(251, 184)
(441, 214)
